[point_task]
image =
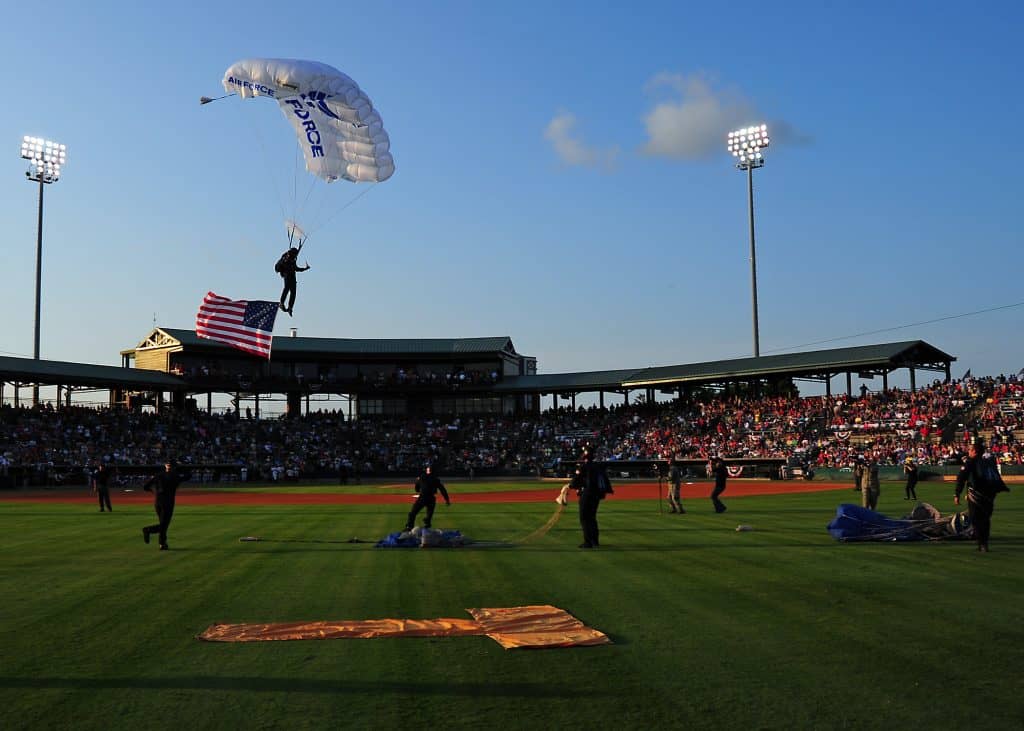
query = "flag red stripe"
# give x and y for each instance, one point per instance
(228, 321)
(238, 333)
(240, 344)
(222, 319)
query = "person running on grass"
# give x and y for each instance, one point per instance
(164, 486)
(720, 472)
(427, 487)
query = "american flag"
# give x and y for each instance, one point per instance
(246, 325)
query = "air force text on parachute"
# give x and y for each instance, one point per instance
(312, 133)
(259, 88)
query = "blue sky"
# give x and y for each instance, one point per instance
(561, 176)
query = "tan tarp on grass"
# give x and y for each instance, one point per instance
(536, 626)
(511, 627)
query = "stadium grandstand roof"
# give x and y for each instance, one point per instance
(589, 381)
(164, 337)
(870, 358)
(63, 373)
(866, 359)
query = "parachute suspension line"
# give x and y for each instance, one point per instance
(316, 217)
(544, 529)
(300, 208)
(312, 185)
(270, 169)
(351, 202)
(295, 181)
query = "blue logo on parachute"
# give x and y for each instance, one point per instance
(318, 100)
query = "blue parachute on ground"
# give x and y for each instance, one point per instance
(423, 538)
(854, 523)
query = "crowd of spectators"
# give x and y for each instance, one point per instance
(931, 425)
(315, 379)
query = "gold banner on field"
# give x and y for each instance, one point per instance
(511, 627)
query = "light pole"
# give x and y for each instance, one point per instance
(746, 145)
(46, 158)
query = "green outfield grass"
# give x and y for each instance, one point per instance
(779, 627)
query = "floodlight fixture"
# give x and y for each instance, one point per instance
(746, 144)
(46, 160)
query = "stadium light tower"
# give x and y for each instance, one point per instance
(46, 158)
(746, 145)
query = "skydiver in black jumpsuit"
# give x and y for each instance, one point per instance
(287, 266)
(164, 486)
(427, 487)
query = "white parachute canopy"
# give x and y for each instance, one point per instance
(340, 133)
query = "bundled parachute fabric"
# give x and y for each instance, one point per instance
(854, 523)
(538, 626)
(423, 538)
(341, 134)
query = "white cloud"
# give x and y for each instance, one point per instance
(692, 123)
(561, 133)
(689, 120)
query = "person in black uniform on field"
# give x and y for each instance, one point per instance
(675, 479)
(100, 485)
(859, 467)
(592, 484)
(718, 469)
(164, 486)
(287, 266)
(427, 487)
(982, 472)
(910, 469)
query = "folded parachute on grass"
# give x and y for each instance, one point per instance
(423, 538)
(538, 626)
(925, 523)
